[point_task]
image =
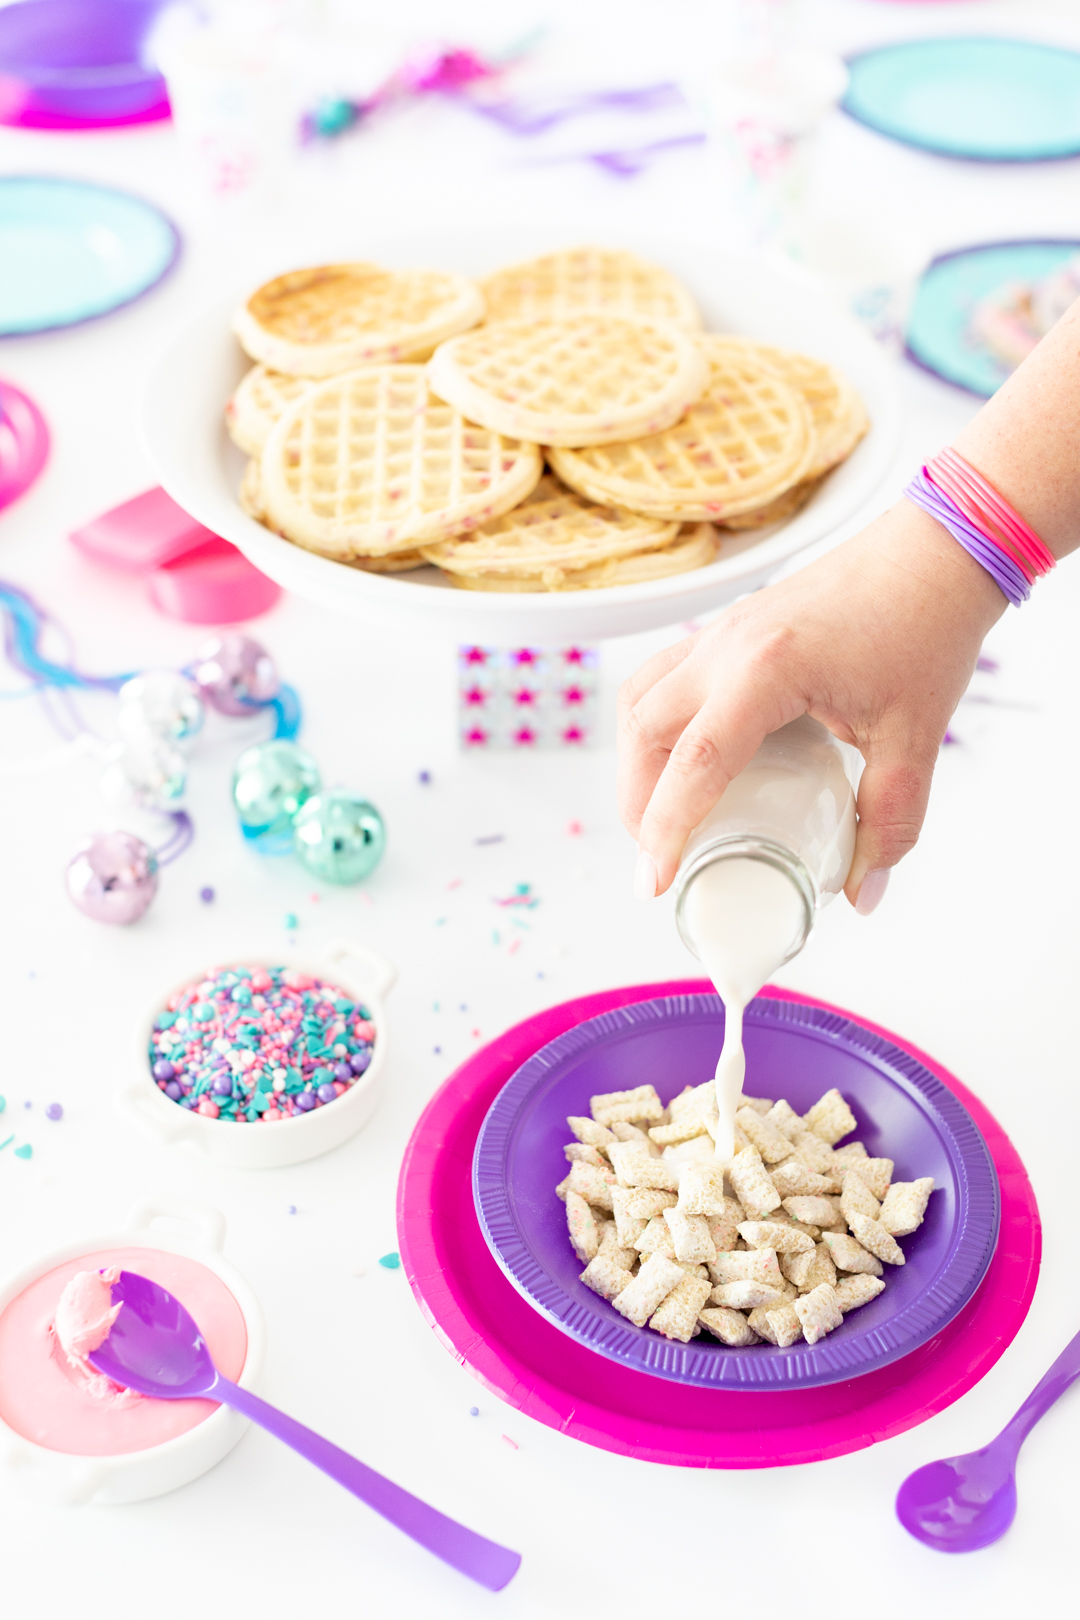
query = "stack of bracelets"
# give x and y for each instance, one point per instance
(983, 522)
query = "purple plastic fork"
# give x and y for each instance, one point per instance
(155, 1348)
(963, 1503)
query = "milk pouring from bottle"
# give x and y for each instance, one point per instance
(775, 848)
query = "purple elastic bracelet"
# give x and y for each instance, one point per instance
(998, 564)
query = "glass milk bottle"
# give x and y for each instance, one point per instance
(774, 849)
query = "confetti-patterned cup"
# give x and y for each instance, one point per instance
(356, 970)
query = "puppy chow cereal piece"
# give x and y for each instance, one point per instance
(656, 1239)
(683, 1130)
(690, 1235)
(904, 1206)
(796, 1266)
(851, 1292)
(771, 1143)
(830, 1118)
(724, 1226)
(640, 1103)
(794, 1180)
(876, 1174)
(645, 1293)
(822, 1269)
(819, 1312)
(785, 1119)
(756, 1265)
(635, 1167)
(857, 1199)
(581, 1224)
(760, 1105)
(782, 1326)
(628, 1226)
(563, 1188)
(775, 1235)
(581, 1153)
(701, 1188)
(815, 1154)
(873, 1236)
(605, 1277)
(811, 1210)
(850, 1152)
(677, 1316)
(730, 1327)
(589, 1132)
(611, 1248)
(648, 1201)
(622, 1131)
(848, 1255)
(594, 1184)
(752, 1184)
(745, 1296)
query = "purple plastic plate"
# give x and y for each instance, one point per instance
(794, 1051)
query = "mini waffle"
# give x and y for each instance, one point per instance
(256, 405)
(558, 285)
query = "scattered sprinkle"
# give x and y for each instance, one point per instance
(206, 895)
(496, 938)
(291, 920)
(54, 1111)
(514, 944)
(492, 838)
(23, 1151)
(464, 1007)
(6, 1143)
(475, 1034)
(424, 778)
(314, 898)
(474, 1411)
(575, 829)
(391, 1261)
(949, 740)
(28, 1103)
(522, 896)
(539, 975)
(511, 1443)
(435, 1005)
(437, 1050)
(439, 921)
(3, 1104)
(454, 884)
(292, 1209)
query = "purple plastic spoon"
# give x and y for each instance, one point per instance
(963, 1503)
(155, 1348)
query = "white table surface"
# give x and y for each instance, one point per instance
(973, 956)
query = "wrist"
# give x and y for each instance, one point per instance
(927, 557)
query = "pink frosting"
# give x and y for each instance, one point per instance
(51, 1395)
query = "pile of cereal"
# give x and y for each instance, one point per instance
(253, 1043)
(778, 1244)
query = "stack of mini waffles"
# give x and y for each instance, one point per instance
(397, 418)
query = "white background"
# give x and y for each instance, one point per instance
(973, 955)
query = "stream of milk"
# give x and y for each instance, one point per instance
(744, 917)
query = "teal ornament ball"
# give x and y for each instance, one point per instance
(271, 782)
(339, 836)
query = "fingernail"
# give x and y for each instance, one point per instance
(872, 891)
(645, 876)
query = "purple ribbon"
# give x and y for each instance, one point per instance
(1005, 573)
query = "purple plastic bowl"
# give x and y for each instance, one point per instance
(794, 1051)
(79, 60)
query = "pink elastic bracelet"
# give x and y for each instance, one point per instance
(990, 512)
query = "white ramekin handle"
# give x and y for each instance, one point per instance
(209, 1223)
(143, 1110)
(381, 973)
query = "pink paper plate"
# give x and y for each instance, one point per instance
(510, 1348)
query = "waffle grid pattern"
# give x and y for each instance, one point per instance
(747, 440)
(369, 463)
(561, 531)
(257, 404)
(559, 285)
(592, 379)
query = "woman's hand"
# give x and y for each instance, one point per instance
(877, 640)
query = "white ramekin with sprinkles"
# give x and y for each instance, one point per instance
(265, 1061)
(75, 1448)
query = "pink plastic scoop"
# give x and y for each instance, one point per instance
(963, 1503)
(154, 1347)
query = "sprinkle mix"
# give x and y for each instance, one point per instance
(252, 1043)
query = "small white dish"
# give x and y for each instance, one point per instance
(132, 1476)
(183, 430)
(362, 973)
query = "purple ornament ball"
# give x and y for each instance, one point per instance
(235, 674)
(113, 878)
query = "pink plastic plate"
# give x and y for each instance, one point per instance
(510, 1348)
(24, 443)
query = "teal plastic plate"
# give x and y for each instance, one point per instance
(71, 251)
(996, 100)
(938, 335)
